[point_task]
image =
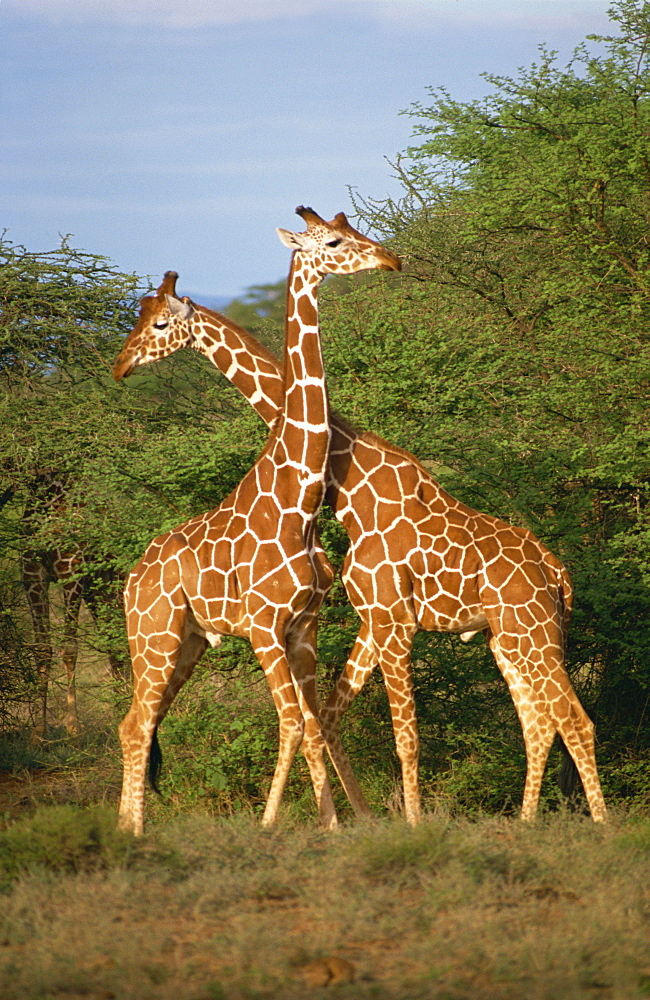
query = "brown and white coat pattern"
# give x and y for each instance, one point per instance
(418, 559)
(253, 567)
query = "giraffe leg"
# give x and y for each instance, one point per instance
(546, 703)
(301, 655)
(397, 670)
(537, 727)
(194, 650)
(291, 724)
(36, 583)
(302, 659)
(72, 593)
(158, 662)
(136, 733)
(577, 730)
(391, 648)
(360, 665)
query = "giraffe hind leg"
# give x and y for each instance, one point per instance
(193, 650)
(138, 728)
(549, 708)
(577, 732)
(537, 725)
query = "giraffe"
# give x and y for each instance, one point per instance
(69, 566)
(38, 571)
(254, 566)
(418, 559)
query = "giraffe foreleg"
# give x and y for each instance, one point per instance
(360, 665)
(291, 724)
(302, 660)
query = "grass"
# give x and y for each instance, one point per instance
(208, 908)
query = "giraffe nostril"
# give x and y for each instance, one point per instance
(123, 368)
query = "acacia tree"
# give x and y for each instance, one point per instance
(129, 462)
(514, 357)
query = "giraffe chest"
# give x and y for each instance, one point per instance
(233, 583)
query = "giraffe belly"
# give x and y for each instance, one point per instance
(448, 619)
(447, 602)
(445, 576)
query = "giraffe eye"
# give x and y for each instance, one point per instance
(162, 324)
(334, 243)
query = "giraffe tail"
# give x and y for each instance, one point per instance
(566, 595)
(155, 763)
(568, 780)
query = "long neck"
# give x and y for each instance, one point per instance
(258, 375)
(304, 428)
(242, 359)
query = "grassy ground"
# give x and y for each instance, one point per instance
(206, 908)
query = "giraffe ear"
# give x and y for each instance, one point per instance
(177, 308)
(295, 241)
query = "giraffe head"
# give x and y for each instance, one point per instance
(163, 327)
(335, 247)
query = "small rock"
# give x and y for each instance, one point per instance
(327, 972)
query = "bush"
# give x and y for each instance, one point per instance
(63, 839)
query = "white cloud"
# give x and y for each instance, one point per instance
(165, 13)
(530, 14)
(399, 13)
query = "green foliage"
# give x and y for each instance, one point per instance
(261, 310)
(63, 839)
(132, 460)
(135, 457)
(514, 359)
(17, 667)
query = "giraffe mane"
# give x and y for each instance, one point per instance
(253, 345)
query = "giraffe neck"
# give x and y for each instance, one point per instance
(258, 375)
(253, 370)
(303, 431)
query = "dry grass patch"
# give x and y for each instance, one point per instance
(206, 909)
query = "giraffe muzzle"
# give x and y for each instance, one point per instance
(123, 368)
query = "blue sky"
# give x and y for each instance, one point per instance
(180, 133)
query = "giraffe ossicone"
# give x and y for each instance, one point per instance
(418, 559)
(253, 567)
